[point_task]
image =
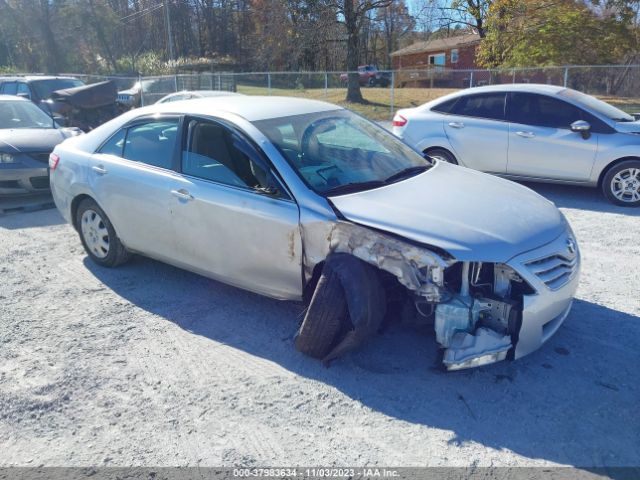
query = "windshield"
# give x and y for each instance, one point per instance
(597, 106)
(44, 88)
(15, 114)
(337, 149)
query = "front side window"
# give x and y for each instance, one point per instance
(337, 151)
(542, 111)
(598, 106)
(217, 153)
(152, 143)
(486, 105)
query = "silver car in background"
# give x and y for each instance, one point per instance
(531, 132)
(299, 199)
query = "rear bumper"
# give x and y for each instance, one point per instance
(18, 179)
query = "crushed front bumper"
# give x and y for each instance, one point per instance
(553, 271)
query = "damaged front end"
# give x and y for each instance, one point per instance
(475, 307)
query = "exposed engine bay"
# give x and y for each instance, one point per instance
(475, 308)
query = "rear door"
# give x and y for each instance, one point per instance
(233, 217)
(478, 132)
(541, 142)
(131, 176)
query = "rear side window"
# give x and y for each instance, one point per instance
(152, 143)
(485, 105)
(446, 106)
(542, 111)
(115, 144)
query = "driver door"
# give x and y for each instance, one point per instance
(541, 142)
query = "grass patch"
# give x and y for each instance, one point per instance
(379, 99)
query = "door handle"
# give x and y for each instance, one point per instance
(526, 134)
(456, 124)
(182, 194)
(99, 169)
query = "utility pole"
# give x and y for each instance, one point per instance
(167, 14)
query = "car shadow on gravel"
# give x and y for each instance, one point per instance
(572, 402)
(18, 220)
(582, 198)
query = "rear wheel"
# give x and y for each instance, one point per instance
(442, 155)
(98, 236)
(372, 82)
(621, 184)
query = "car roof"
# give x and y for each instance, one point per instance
(29, 78)
(518, 87)
(252, 108)
(506, 87)
(203, 93)
(12, 98)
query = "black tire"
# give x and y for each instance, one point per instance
(442, 155)
(322, 324)
(371, 82)
(115, 254)
(615, 191)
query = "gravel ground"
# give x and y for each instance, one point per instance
(151, 365)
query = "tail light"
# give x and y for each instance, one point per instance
(399, 121)
(53, 161)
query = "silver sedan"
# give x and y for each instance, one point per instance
(299, 199)
(532, 132)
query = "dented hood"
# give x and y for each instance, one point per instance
(472, 215)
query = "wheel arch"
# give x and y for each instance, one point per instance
(612, 164)
(75, 203)
(448, 150)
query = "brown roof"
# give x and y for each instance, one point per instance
(438, 44)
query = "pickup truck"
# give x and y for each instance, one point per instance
(370, 76)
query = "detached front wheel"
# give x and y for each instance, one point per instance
(621, 184)
(322, 323)
(98, 236)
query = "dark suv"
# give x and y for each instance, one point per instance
(38, 89)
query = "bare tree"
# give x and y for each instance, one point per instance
(354, 13)
(470, 13)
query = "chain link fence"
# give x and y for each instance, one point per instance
(389, 90)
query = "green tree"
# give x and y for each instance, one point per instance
(554, 32)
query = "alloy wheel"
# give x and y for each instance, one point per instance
(625, 185)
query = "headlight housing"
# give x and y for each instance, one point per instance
(7, 158)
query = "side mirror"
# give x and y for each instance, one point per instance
(24, 95)
(581, 127)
